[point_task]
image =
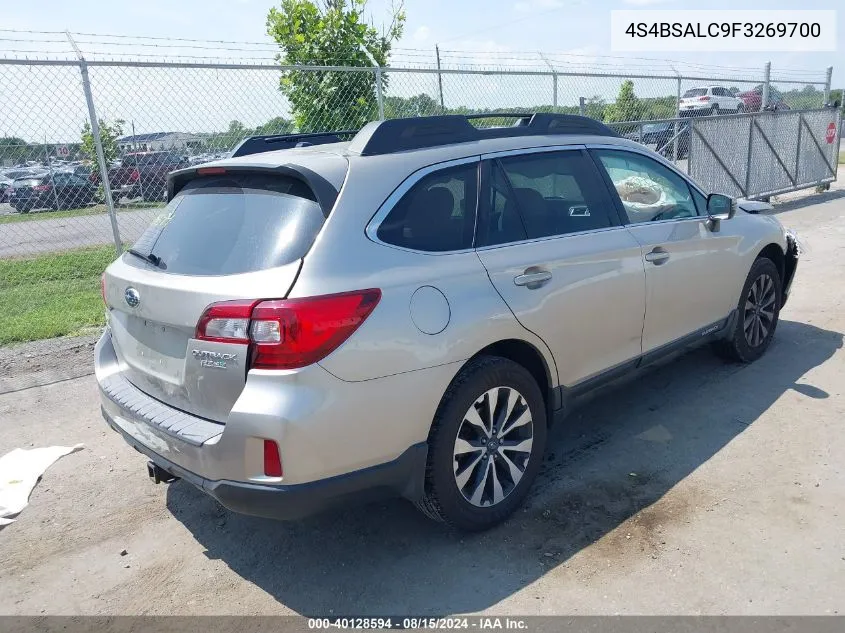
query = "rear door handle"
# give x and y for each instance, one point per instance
(657, 256)
(533, 279)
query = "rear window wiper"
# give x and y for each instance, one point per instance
(155, 260)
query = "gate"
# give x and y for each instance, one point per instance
(766, 153)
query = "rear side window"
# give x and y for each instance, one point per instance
(437, 214)
(237, 223)
(552, 193)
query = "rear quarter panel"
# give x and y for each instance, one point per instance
(389, 342)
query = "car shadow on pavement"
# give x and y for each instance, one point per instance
(609, 466)
(807, 201)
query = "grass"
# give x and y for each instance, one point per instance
(44, 214)
(52, 295)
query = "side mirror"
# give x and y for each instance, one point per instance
(720, 206)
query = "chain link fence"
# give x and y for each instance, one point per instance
(86, 144)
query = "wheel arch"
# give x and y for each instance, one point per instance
(528, 356)
(775, 254)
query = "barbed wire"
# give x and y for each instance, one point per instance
(54, 45)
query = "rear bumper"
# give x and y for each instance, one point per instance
(399, 477)
(339, 441)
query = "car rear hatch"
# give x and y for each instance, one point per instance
(696, 97)
(239, 235)
(24, 188)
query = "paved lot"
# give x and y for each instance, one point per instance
(48, 234)
(700, 488)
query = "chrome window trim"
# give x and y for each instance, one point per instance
(547, 238)
(532, 150)
(387, 206)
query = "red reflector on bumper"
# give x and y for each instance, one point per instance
(272, 459)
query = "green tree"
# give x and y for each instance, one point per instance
(276, 125)
(418, 105)
(332, 33)
(14, 149)
(626, 107)
(109, 133)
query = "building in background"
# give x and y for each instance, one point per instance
(157, 141)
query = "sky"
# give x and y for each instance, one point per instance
(46, 102)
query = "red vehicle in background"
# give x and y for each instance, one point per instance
(143, 174)
(753, 99)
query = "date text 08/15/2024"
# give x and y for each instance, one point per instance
(422, 623)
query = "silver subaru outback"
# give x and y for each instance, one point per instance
(405, 313)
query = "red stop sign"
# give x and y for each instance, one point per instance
(830, 135)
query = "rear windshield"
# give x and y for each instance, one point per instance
(237, 223)
(695, 92)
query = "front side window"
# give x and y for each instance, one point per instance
(437, 214)
(648, 190)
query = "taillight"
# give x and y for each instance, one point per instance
(288, 333)
(272, 459)
(225, 322)
(41, 188)
(135, 175)
(705, 98)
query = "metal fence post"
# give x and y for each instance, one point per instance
(98, 144)
(767, 78)
(439, 79)
(379, 96)
(554, 78)
(582, 106)
(379, 88)
(675, 151)
(827, 79)
(52, 177)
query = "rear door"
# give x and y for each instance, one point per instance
(685, 262)
(551, 241)
(235, 236)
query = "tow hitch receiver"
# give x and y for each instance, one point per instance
(159, 475)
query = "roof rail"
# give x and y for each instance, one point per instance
(271, 142)
(397, 135)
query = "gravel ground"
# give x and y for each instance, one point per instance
(699, 488)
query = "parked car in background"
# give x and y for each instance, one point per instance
(5, 188)
(60, 190)
(143, 174)
(753, 99)
(405, 313)
(707, 100)
(21, 172)
(660, 135)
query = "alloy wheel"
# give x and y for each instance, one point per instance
(493, 446)
(759, 313)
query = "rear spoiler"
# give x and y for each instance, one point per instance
(324, 192)
(272, 142)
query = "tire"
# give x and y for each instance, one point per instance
(714, 111)
(744, 345)
(740, 108)
(474, 507)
